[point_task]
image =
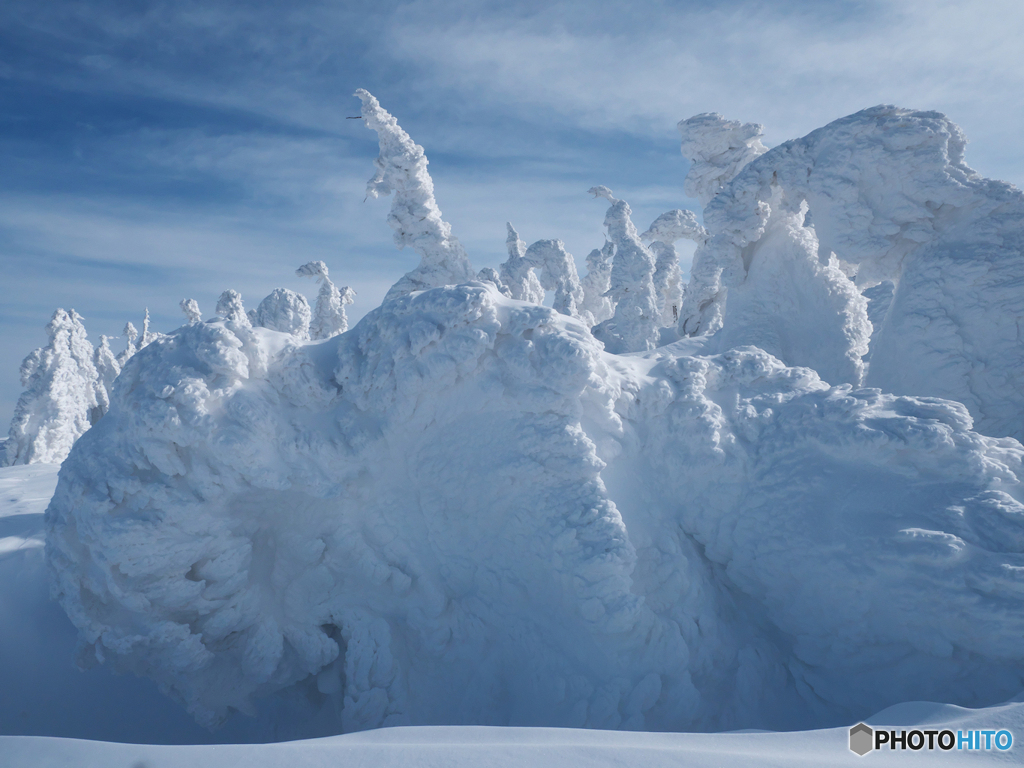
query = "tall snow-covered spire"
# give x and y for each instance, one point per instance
(557, 273)
(107, 367)
(329, 317)
(517, 273)
(597, 282)
(63, 395)
(130, 335)
(147, 337)
(634, 326)
(415, 217)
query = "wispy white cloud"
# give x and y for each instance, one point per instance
(791, 67)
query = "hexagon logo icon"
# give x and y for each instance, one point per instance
(861, 739)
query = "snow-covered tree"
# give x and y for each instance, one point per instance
(635, 325)
(329, 318)
(147, 337)
(517, 273)
(415, 217)
(285, 311)
(668, 279)
(230, 307)
(718, 149)
(490, 275)
(130, 335)
(107, 367)
(597, 282)
(63, 395)
(557, 273)
(191, 309)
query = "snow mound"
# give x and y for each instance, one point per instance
(464, 511)
(881, 195)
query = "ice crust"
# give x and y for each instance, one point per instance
(471, 508)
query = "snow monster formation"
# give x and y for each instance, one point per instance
(466, 510)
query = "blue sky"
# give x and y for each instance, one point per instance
(157, 150)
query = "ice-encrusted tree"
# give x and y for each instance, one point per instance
(668, 280)
(597, 282)
(635, 325)
(415, 217)
(230, 307)
(718, 149)
(557, 272)
(285, 311)
(329, 317)
(107, 367)
(517, 273)
(130, 335)
(147, 336)
(191, 309)
(490, 275)
(63, 395)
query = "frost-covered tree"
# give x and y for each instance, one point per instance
(718, 149)
(285, 311)
(517, 273)
(230, 307)
(490, 275)
(63, 395)
(415, 217)
(191, 309)
(634, 326)
(130, 335)
(329, 317)
(557, 272)
(107, 367)
(668, 279)
(597, 282)
(147, 337)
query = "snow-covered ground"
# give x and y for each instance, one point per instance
(491, 747)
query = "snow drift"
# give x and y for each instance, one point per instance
(466, 509)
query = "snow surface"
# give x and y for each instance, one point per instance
(473, 509)
(464, 511)
(474, 746)
(883, 194)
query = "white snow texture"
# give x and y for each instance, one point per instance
(63, 395)
(883, 195)
(467, 509)
(415, 217)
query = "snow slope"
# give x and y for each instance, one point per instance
(473, 746)
(464, 511)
